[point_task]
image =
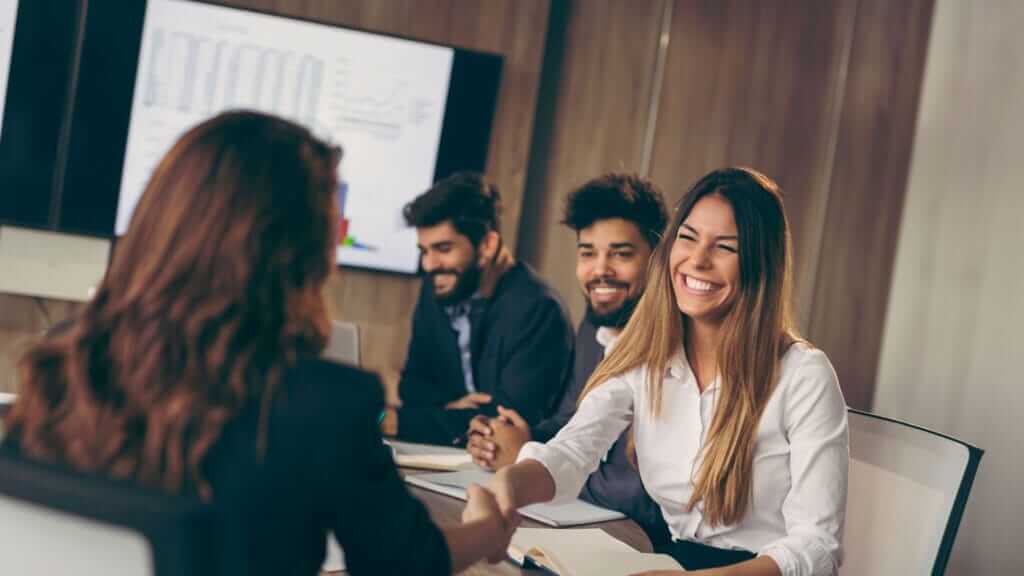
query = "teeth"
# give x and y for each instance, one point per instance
(605, 290)
(701, 285)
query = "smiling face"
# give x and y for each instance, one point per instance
(611, 263)
(449, 261)
(705, 262)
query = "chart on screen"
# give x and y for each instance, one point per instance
(381, 98)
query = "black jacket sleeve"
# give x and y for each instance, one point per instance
(546, 429)
(380, 525)
(414, 386)
(536, 368)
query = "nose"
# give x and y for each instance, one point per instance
(428, 261)
(601, 268)
(701, 257)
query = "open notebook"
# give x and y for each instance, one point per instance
(569, 514)
(429, 456)
(582, 551)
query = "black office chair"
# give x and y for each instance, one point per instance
(907, 493)
(57, 521)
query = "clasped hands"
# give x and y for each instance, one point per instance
(494, 443)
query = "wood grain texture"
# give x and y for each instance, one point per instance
(597, 80)
(867, 189)
(757, 84)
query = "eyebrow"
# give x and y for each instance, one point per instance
(612, 245)
(694, 230)
(435, 245)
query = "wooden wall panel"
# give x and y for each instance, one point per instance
(597, 84)
(867, 189)
(757, 84)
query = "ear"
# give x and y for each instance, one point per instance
(488, 248)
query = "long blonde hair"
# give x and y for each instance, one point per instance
(755, 334)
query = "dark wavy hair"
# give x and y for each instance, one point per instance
(465, 199)
(625, 196)
(213, 292)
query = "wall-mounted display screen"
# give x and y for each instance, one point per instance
(405, 112)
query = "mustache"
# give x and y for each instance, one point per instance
(442, 272)
(605, 283)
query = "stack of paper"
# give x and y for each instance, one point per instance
(581, 552)
(429, 456)
(569, 514)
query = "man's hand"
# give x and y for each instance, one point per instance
(479, 444)
(389, 421)
(510, 432)
(470, 401)
(495, 442)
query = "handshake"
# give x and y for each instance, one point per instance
(495, 518)
(494, 443)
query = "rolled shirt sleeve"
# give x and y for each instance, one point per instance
(814, 509)
(576, 451)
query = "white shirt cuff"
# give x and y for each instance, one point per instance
(568, 481)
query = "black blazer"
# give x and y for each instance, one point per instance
(521, 343)
(325, 470)
(616, 483)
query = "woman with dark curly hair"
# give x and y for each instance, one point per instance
(195, 368)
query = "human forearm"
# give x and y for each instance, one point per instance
(523, 483)
(762, 566)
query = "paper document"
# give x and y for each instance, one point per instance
(569, 514)
(429, 456)
(582, 551)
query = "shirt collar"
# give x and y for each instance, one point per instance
(463, 308)
(679, 368)
(606, 337)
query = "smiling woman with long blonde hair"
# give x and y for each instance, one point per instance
(739, 425)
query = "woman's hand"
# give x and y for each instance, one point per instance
(504, 491)
(482, 508)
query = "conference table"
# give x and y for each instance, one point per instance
(446, 510)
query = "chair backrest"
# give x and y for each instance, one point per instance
(343, 345)
(907, 492)
(57, 521)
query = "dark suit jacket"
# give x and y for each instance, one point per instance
(325, 470)
(521, 344)
(616, 483)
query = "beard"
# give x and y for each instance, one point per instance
(615, 319)
(466, 283)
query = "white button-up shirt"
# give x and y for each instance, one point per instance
(798, 503)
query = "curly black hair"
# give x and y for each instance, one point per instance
(625, 196)
(469, 202)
